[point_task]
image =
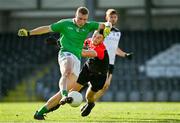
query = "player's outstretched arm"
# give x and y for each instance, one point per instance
(36, 31)
(121, 53)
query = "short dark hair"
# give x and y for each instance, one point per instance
(111, 11)
(99, 32)
(82, 10)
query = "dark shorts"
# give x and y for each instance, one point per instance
(97, 80)
(111, 68)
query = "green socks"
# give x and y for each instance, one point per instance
(42, 110)
(64, 93)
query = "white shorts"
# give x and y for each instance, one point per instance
(76, 62)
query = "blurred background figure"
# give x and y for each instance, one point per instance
(150, 28)
(111, 42)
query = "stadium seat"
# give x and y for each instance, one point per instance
(175, 96)
(134, 96)
(162, 96)
(147, 96)
(121, 96)
(108, 96)
(21, 56)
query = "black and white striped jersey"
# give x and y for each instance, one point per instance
(111, 42)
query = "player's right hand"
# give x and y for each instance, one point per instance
(129, 55)
(107, 29)
(23, 32)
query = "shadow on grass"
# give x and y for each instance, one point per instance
(119, 120)
(136, 120)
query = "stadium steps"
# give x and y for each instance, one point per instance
(25, 91)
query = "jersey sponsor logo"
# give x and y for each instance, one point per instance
(77, 29)
(118, 34)
(113, 36)
(83, 30)
(80, 30)
(70, 28)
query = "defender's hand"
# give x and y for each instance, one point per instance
(23, 32)
(129, 55)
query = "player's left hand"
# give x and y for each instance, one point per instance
(129, 55)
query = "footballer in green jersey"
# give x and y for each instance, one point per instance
(73, 33)
(73, 36)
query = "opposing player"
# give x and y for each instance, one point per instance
(111, 43)
(94, 70)
(73, 33)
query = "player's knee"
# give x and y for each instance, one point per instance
(66, 73)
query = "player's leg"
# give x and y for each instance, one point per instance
(76, 71)
(76, 87)
(82, 79)
(90, 102)
(66, 68)
(51, 105)
(70, 85)
(101, 92)
(53, 102)
(96, 83)
(90, 95)
(71, 73)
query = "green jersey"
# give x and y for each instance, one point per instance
(72, 36)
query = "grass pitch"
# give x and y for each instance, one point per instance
(102, 112)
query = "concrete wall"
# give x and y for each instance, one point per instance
(29, 14)
(129, 22)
